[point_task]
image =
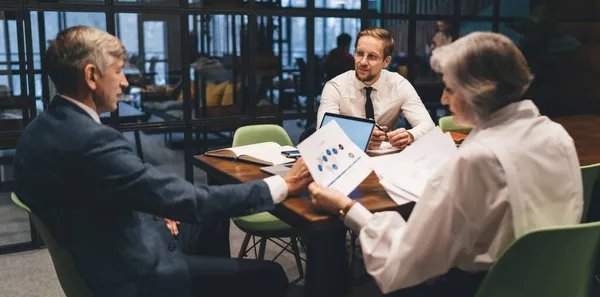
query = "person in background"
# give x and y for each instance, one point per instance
(514, 173)
(443, 36)
(370, 91)
(339, 60)
(103, 205)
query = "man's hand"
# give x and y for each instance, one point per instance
(328, 199)
(377, 136)
(400, 138)
(298, 177)
(172, 225)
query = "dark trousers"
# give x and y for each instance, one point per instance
(214, 273)
(222, 277)
(455, 283)
(209, 238)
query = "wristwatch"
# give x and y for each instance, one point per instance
(344, 211)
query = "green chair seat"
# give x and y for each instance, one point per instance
(261, 133)
(548, 262)
(447, 124)
(70, 280)
(265, 225)
(18, 202)
(262, 222)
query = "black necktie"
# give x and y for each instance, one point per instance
(369, 104)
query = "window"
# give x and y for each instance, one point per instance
(328, 29)
(338, 4)
(155, 51)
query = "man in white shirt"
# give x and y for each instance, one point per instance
(370, 91)
(514, 173)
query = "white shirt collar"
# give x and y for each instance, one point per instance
(522, 109)
(86, 108)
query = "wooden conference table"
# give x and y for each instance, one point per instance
(585, 131)
(325, 236)
(327, 273)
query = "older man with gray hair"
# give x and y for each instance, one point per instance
(102, 203)
(515, 172)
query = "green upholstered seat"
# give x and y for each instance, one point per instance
(68, 276)
(265, 225)
(549, 262)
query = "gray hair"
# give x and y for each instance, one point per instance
(76, 47)
(486, 69)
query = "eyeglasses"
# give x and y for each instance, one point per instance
(371, 57)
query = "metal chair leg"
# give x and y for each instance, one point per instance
(261, 249)
(297, 256)
(244, 246)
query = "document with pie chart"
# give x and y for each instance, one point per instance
(334, 160)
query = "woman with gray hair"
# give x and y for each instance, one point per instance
(515, 172)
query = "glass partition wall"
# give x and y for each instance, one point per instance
(198, 70)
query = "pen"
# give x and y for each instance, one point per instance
(378, 127)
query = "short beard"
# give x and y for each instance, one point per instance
(368, 78)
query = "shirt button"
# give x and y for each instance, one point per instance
(155, 218)
(172, 247)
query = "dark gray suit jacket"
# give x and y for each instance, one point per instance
(97, 198)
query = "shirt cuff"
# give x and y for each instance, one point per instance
(415, 133)
(278, 188)
(357, 217)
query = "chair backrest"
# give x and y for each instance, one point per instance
(549, 262)
(68, 276)
(447, 124)
(589, 175)
(261, 133)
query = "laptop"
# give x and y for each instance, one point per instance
(358, 130)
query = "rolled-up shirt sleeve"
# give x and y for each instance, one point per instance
(414, 110)
(400, 254)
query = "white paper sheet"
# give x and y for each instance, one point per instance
(398, 195)
(385, 148)
(406, 174)
(334, 160)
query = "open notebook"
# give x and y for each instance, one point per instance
(266, 153)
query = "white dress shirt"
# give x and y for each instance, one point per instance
(276, 184)
(85, 108)
(391, 94)
(515, 172)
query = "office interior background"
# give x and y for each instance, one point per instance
(199, 69)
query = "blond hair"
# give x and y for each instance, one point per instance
(74, 48)
(486, 69)
(381, 34)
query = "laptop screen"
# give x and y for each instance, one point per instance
(358, 129)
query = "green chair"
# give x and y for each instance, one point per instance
(549, 262)
(68, 276)
(265, 225)
(447, 124)
(589, 175)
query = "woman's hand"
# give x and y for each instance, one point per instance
(328, 199)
